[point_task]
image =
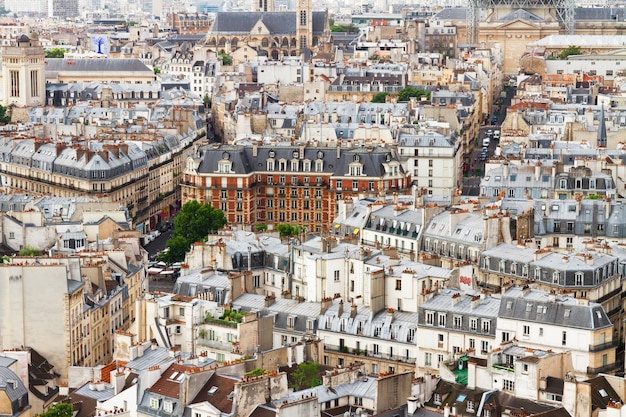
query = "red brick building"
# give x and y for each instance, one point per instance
(289, 184)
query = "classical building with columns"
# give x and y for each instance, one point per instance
(23, 73)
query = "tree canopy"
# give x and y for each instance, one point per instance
(58, 410)
(55, 53)
(226, 59)
(306, 376)
(380, 97)
(570, 50)
(286, 230)
(4, 117)
(194, 222)
(406, 93)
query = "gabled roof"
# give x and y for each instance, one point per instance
(278, 23)
(521, 14)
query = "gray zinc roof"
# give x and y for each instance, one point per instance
(537, 306)
(12, 384)
(511, 252)
(276, 22)
(442, 301)
(96, 65)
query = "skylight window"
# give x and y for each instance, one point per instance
(603, 393)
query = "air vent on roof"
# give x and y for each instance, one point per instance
(213, 390)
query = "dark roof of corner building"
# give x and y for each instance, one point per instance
(276, 22)
(96, 65)
(221, 397)
(243, 161)
(536, 306)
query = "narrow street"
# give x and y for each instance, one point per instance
(471, 182)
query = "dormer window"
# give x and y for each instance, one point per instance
(356, 169)
(224, 167)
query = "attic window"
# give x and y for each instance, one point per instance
(168, 406)
(598, 314)
(567, 313)
(213, 390)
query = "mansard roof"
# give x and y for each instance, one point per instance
(244, 160)
(537, 306)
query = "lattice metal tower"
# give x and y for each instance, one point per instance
(564, 10)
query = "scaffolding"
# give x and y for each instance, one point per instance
(564, 10)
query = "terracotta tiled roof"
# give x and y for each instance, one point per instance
(169, 384)
(529, 105)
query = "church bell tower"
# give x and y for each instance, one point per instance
(304, 24)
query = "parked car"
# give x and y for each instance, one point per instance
(485, 142)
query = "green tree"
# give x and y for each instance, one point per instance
(192, 224)
(157, 70)
(55, 53)
(206, 100)
(4, 117)
(406, 93)
(380, 97)
(306, 376)
(226, 59)
(260, 227)
(570, 50)
(286, 230)
(58, 410)
(29, 251)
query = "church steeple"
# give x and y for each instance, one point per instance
(304, 24)
(601, 139)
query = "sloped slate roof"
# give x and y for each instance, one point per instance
(11, 384)
(276, 22)
(96, 65)
(565, 311)
(244, 161)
